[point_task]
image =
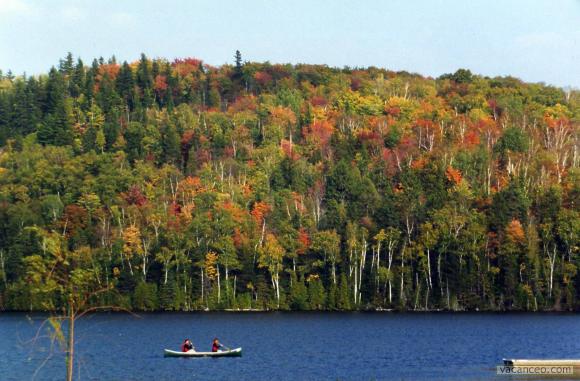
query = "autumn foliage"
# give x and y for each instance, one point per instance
(275, 186)
(453, 175)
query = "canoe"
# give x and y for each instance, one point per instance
(192, 353)
(543, 362)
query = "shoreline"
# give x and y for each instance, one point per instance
(329, 312)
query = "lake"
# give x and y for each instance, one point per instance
(290, 346)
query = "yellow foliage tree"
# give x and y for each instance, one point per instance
(270, 256)
(210, 265)
(132, 244)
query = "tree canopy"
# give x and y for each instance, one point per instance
(273, 186)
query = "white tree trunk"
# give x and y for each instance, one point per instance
(429, 268)
(355, 284)
(2, 264)
(235, 282)
(219, 285)
(389, 272)
(552, 258)
(362, 266)
(166, 268)
(378, 265)
(202, 288)
(277, 287)
(402, 274)
(439, 273)
(144, 268)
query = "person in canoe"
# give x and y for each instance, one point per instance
(186, 346)
(216, 345)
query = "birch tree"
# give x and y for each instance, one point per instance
(271, 256)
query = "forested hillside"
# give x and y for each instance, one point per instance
(186, 186)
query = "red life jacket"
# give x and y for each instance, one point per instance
(185, 347)
(215, 347)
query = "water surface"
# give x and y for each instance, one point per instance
(291, 346)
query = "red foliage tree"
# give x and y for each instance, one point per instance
(134, 196)
(319, 133)
(160, 84)
(74, 218)
(303, 241)
(262, 78)
(186, 66)
(453, 175)
(259, 211)
(318, 100)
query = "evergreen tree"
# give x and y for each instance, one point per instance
(4, 119)
(145, 297)
(238, 70)
(316, 294)
(78, 79)
(168, 296)
(145, 81)
(125, 85)
(25, 113)
(90, 82)
(332, 300)
(66, 65)
(344, 298)
(298, 294)
(55, 92)
(170, 144)
(57, 126)
(107, 98)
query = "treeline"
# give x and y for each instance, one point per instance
(182, 186)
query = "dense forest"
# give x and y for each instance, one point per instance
(177, 185)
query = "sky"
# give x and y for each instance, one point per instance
(535, 40)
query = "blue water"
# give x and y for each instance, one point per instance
(291, 346)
